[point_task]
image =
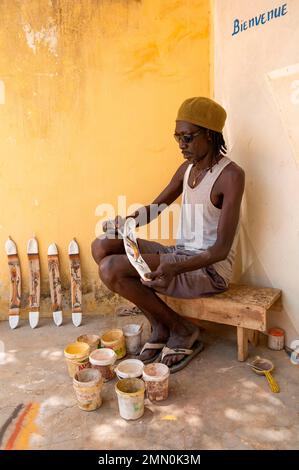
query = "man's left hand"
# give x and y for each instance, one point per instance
(162, 277)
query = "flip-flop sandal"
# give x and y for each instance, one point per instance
(152, 346)
(189, 355)
(126, 310)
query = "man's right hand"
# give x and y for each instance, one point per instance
(113, 225)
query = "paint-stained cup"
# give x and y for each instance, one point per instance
(88, 386)
(103, 359)
(276, 339)
(93, 341)
(77, 357)
(156, 378)
(132, 333)
(130, 394)
(114, 339)
(129, 369)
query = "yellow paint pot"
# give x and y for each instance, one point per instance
(92, 340)
(76, 357)
(130, 394)
(114, 339)
(88, 385)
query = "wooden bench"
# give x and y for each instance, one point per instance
(242, 306)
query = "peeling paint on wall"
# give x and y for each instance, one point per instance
(47, 35)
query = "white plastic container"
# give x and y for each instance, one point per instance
(103, 359)
(130, 394)
(156, 378)
(132, 335)
(129, 369)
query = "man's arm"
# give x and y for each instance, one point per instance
(146, 214)
(232, 188)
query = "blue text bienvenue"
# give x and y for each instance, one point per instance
(262, 18)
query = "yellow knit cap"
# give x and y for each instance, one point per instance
(202, 112)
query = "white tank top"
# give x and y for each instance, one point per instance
(199, 219)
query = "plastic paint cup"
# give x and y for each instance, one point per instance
(133, 337)
(103, 359)
(130, 394)
(156, 378)
(88, 386)
(92, 340)
(129, 369)
(76, 356)
(114, 339)
(276, 339)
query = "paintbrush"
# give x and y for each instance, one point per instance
(267, 372)
(256, 367)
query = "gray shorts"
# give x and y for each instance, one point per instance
(190, 285)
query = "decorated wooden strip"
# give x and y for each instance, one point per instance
(34, 282)
(76, 291)
(55, 283)
(15, 282)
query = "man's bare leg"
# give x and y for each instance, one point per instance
(119, 276)
(103, 247)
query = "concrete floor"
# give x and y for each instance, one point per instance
(216, 402)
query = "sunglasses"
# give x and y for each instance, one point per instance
(186, 138)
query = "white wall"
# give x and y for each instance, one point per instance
(257, 81)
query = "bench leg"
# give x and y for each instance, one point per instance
(242, 338)
(253, 337)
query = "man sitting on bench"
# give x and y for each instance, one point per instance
(200, 263)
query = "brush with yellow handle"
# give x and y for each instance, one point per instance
(265, 367)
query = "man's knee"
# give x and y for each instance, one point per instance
(99, 249)
(104, 246)
(108, 270)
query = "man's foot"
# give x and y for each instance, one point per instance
(160, 334)
(184, 340)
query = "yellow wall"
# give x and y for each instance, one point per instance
(91, 93)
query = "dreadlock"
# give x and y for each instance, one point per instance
(219, 145)
(218, 142)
